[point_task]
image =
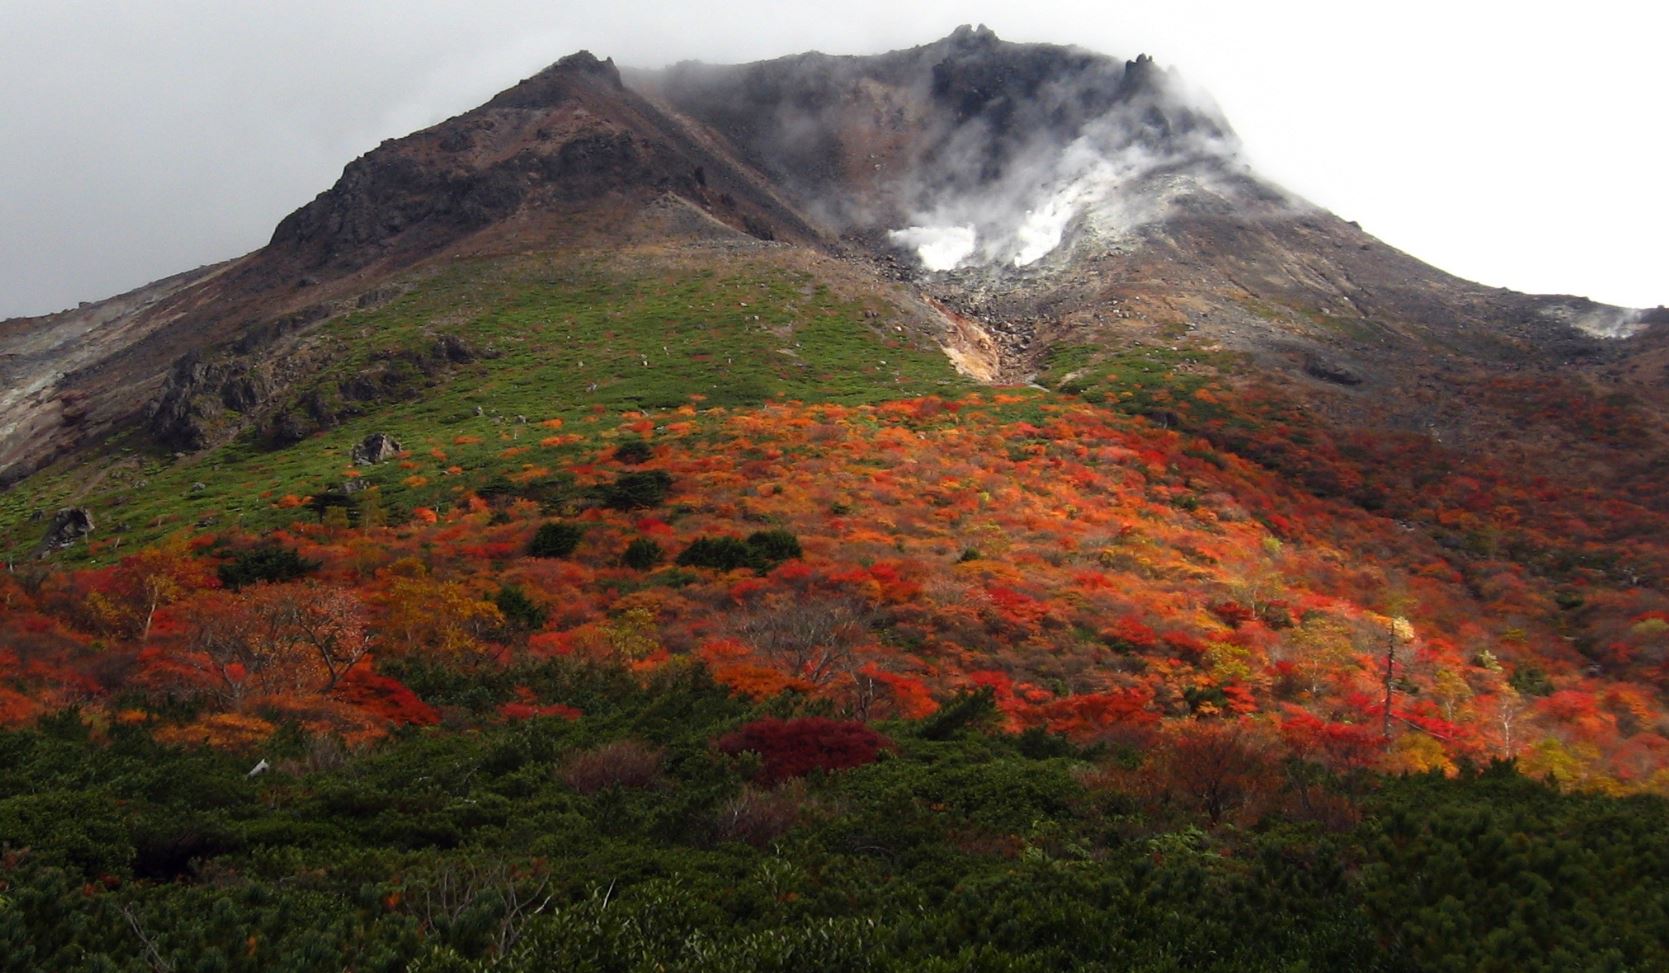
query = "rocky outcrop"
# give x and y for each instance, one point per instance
(571, 136)
(208, 398)
(397, 375)
(69, 525)
(381, 196)
(873, 143)
(379, 447)
(201, 401)
(1332, 371)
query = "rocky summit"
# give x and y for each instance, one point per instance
(1035, 197)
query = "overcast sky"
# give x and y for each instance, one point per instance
(1521, 144)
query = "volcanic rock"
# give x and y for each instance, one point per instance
(69, 525)
(379, 447)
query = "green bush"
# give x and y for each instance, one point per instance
(555, 539)
(720, 553)
(642, 554)
(634, 451)
(1531, 680)
(637, 490)
(266, 562)
(762, 551)
(968, 709)
(774, 546)
(520, 612)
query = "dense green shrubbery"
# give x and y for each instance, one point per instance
(555, 539)
(763, 550)
(774, 546)
(521, 613)
(642, 554)
(628, 840)
(264, 562)
(634, 451)
(636, 490)
(719, 553)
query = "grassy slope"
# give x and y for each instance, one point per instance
(569, 338)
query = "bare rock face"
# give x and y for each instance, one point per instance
(1329, 370)
(567, 140)
(962, 130)
(197, 395)
(69, 525)
(379, 447)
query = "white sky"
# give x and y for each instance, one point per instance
(1519, 144)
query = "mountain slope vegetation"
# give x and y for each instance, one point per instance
(620, 536)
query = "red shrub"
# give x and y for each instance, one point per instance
(526, 706)
(386, 697)
(1233, 615)
(1129, 634)
(794, 748)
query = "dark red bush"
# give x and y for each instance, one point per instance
(386, 697)
(794, 748)
(1232, 614)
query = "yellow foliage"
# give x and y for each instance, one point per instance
(227, 731)
(1565, 765)
(1231, 663)
(1416, 753)
(439, 616)
(633, 634)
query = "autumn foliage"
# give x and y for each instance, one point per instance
(1105, 577)
(795, 748)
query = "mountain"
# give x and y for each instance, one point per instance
(1038, 198)
(801, 514)
(965, 214)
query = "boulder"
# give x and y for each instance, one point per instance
(450, 347)
(1331, 371)
(379, 447)
(69, 525)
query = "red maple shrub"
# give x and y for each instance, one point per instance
(386, 697)
(526, 706)
(795, 748)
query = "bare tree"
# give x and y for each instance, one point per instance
(284, 638)
(329, 621)
(811, 637)
(444, 897)
(1397, 633)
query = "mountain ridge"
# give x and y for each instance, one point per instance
(1065, 183)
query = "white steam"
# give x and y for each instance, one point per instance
(1027, 215)
(1040, 232)
(937, 247)
(1112, 176)
(1610, 322)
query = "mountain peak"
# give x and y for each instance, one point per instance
(1017, 181)
(968, 35)
(583, 60)
(558, 82)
